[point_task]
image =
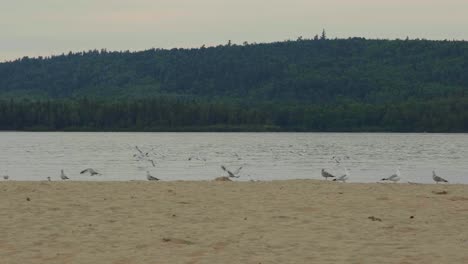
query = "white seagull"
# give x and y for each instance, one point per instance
(343, 178)
(437, 179)
(91, 171)
(326, 174)
(394, 178)
(151, 178)
(49, 179)
(63, 176)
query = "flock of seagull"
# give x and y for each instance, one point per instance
(151, 156)
(149, 177)
(396, 177)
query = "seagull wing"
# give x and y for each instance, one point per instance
(440, 179)
(223, 167)
(139, 150)
(231, 174)
(238, 170)
(327, 174)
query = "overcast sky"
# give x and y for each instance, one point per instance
(45, 27)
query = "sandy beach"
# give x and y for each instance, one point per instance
(300, 221)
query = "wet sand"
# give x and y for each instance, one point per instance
(301, 221)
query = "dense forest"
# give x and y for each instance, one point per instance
(303, 85)
(168, 114)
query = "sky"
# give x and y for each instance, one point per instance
(43, 28)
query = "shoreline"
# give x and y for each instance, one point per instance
(251, 181)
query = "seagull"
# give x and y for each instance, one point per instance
(198, 157)
(437, 179)
(336, 159)
(326, 174)
(237, 156)
(91, 171)
(232, 174)
(343, 178)
(63, 176)
(6, 177)
(140, 156)
(139, 150)
(151, 178)
(48, 178)
(394, 178)
(145, 156)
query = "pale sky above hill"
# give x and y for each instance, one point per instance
(33, 28)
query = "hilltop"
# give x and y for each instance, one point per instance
(318, 71)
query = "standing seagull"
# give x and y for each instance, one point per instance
(91, 171)
(326, 174)
(63, 176)
(437, 179)
(394, 178)
(49, 179)
(151, 178)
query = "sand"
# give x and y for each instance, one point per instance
(301, 221)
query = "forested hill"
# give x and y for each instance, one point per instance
(320, 71)
(304, 85)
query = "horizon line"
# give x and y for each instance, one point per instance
(229, 42)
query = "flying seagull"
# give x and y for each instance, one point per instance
(343, 178)
(394, 178)
(230, 173)
(140, 156)
(326, 174)
(139, 150)
(91, 171)
(151, 178)
(336, 159)
(63, 176)
(197, 157)
(437, 179)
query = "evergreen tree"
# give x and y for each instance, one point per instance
(324, 35)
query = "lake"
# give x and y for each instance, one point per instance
(263, 156)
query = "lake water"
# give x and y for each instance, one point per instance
(264, 156)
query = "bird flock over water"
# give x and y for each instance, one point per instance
(151, 157)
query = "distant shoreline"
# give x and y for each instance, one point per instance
(227, 131)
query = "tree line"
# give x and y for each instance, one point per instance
(178, 114)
